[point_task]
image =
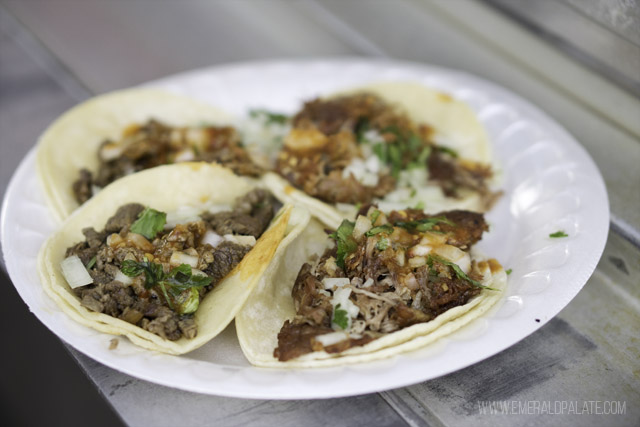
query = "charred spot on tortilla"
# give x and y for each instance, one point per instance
(358, 148)
(154, 275)
(386, 272)
(143, 146)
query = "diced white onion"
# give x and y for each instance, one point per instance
(367, 283)
(363, 224)
(140, 241)
(212, 238)
(179, 258)
(373, 135)
(341, 296)
(331, 338)
(75, 272)
(420, 250)
(363, 171)
(331, 282)
(123, 278)
(185, 155)
(95, 190)
(455, 255)
(433, 239)
(416, 262)
(197, 137)
(111, 151)
(240, 240)
(400, 257)
(411, 282)
(182, 215)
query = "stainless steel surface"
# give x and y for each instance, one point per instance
(602, 34)
(590, 352)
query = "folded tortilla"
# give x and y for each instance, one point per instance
(271, 303)
(166, 188)
(455, 126)
(71, 142)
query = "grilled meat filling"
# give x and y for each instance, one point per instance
(385, 273)
(352, 149)
(154, 144)
(152, 306)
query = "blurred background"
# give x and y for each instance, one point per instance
(578, 60)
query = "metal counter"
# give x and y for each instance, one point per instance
(56, 53)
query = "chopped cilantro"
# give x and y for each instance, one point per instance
(374, 216)
(424, 224)
(421, 160)
(362, 126)
(91, 263)
(450, 151)
(413, 192)
(509, 271)
(458, 271)
(153, 272)
(179, 286)
(419, 205)
(395, 158)
(340, 317)
(345, 241)
(382, 244)
(271, 117)
(381, 150)
(558, 234)
(385, 228)
(149, 223)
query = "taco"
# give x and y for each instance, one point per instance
(165, 257)
(394, 144)
(114, 135)
(379, 286)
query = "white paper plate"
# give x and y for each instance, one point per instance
(550, 184)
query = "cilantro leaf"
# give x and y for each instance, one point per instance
(91, 263)
(558, 234)
(345, 241)
(178, 280)
(153, 272)
(374, 216)
(340, 317)
(458, 271)
(381, 150)
(271, 117)
(149, 223)
(450, 151)
(509, 271)
(362, 126)
(181, 278)
(385, 228)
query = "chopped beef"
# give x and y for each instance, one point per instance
(464, 229)
(251, 215)
(225, 257)
(154, 143)
(349, 113)
(330, 135)
(83, 186)
(124, 217)
(147, 305)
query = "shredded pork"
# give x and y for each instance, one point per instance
(396, 278)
